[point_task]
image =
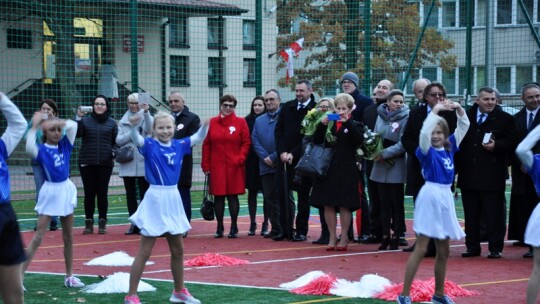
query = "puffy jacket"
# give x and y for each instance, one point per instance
(98, 139)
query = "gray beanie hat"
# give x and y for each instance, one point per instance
(351, 77)
(393, 93)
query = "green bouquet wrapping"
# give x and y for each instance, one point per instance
(312, 119)
(372, 147)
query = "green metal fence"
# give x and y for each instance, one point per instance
(59, 49)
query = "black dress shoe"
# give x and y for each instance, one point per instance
(370, 240)
(469, 254)
(494, 255)
(410, 248)
(219, 233)
(133, 230)
(529, 254)
(519, 244)
(53, 226)
(403, 242)
(278, 237)
(299, 238)
(233, 233)
(252, 228)
(321, 241)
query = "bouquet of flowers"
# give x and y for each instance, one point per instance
(372, 147)
(312, 119)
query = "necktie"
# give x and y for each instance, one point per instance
(301, 106)
(481, 118)
(531, 118)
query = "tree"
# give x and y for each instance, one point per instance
(394, 27)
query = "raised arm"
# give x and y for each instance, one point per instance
(199, 136)
(463, 123)
(524, 149)
(71, 130)
(16, 124)
(427, 128)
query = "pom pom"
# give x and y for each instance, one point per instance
(214, 259)
(369, 285)
(117, 258)
(303, 280)
(422, 291)
(320, 286)
(116, 283)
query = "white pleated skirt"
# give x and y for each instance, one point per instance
(532, 233)
(161, 211)
(57, 199)
(435, 213)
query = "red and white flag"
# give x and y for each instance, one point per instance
(287, 55)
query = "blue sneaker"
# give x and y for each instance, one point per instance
(404, 300)
(441, 300)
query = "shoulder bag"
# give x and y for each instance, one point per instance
(315, 160)
(207, 205)
(124, 154)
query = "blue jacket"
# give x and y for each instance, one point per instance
(263, 141)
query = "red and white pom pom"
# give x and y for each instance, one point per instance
(422, 291)
(303, 280)
(214, 259)
(319, 286)
(368, 286)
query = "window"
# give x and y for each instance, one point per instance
(504, 11)
(449, 81)
(480, 78)
(19, 39)
(449, 14)
(178, 33)
(430, 73)
(216, 34)
(216, 68)
(502, 79)
(248, 35)
(179, 72)
(480, 18)
(434, 17)
(523, 75)
(249, 73)
(462, 81)
(529, 5)
(463, 12)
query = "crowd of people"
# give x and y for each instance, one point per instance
(429, 149)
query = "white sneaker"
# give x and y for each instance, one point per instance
(183, 297)
(73, 282)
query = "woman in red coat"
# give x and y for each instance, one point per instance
(224, 152)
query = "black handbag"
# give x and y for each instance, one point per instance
(315, 160)
(124, 154)
(207, 205)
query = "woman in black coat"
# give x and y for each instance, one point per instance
(253, 178)
(339, 190)
(98, 132)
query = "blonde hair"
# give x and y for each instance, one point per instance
(330, 103)
(162, 114)
(133, 97)
(345, 99)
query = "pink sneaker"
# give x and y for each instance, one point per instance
(183, 297)
(132, 300)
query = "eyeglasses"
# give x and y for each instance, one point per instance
(228, 105)
(323, 107)
(269, 99)
(436, 95)
(100, 104)
(133, 103)
(346, 82)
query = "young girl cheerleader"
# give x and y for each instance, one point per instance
(161, 211)
(434, 214)
(58, 195)
(532, 237)
(11, 246)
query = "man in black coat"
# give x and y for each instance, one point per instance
(482, 166)
(523, 197)
(187, 123)
(289, 138)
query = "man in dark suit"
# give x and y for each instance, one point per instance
(429, 95)
(187, 123)
(523, 197)
(481, 164)
(289, 137)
